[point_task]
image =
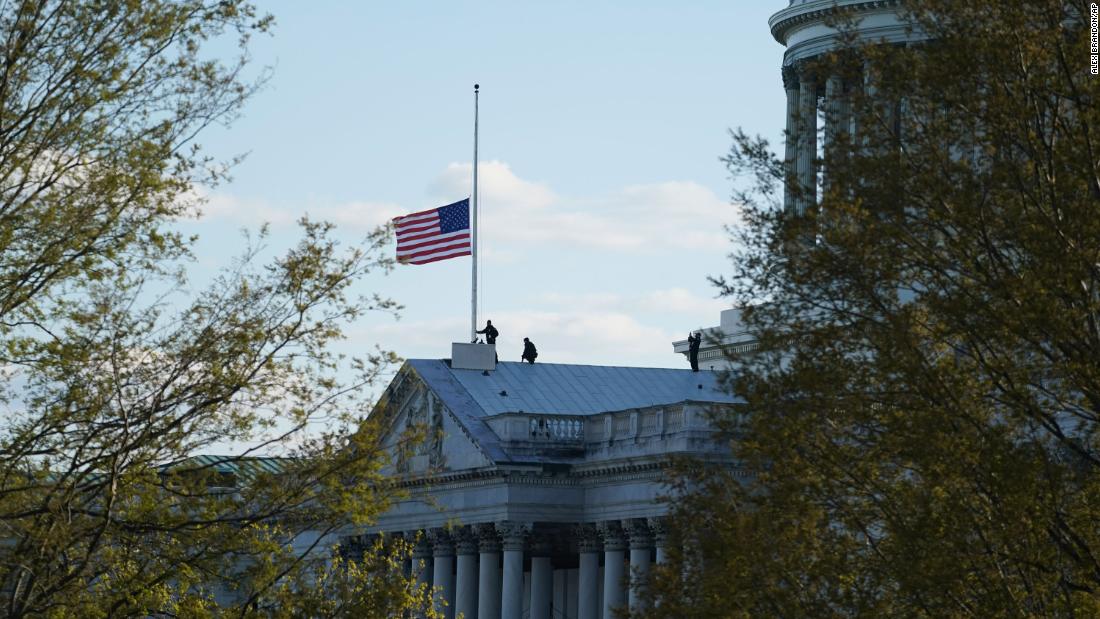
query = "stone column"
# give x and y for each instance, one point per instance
(849, 112)
(588, 601)
(514, 536)
(844, 111)
(660, 538)
(906, 121)
(854, 97)
(422, 559)
(443, 556)
(614, 559)
(641, 547)
(790, 152)
(834, 92)
(870, 92)
(407, 564)
(466, 587)
(835, 121)
(488, 582)
(885, 113)
(542, 578)
(807, 142)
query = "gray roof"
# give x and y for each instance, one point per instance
(559, 389)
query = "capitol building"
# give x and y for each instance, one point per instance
(537, 492)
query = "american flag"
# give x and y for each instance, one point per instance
(435, 234)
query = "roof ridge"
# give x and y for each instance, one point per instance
(588, 365)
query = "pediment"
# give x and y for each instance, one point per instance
(423, 436)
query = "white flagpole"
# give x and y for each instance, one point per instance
(473, 233)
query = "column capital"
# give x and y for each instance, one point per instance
(790, 77)
(638, 532)
(488, 540)
(588, 538)
(465, 541)
(514, 534)
(354, 546)
(659, 527)
(806, 75)
(541, 544)
(443, 544)
(612, 533)
(422, 548)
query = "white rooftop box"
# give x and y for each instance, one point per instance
(473, 356)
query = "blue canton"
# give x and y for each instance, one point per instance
(454, 217)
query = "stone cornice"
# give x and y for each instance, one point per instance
(792, 16)
(613, 471)
(466, 477)
(623, 468)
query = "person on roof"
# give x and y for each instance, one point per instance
(694, 339)
(490, 332)
(529, 352)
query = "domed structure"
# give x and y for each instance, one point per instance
(805, 28)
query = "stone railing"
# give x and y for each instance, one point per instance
(538, 428)
(654, 421)
(567, 428)
(641, 430)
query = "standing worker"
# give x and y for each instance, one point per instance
(694, 339)
(490, 332)
(529, 352)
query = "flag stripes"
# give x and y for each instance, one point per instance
(435, 234)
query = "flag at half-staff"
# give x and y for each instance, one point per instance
(445, 232)
(435, 234)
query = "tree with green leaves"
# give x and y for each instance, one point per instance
(924, 405)
(112, 380)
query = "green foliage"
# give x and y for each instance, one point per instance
(926, 399)
(109, 390)
(373, 586)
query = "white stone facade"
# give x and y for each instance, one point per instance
(538, 492)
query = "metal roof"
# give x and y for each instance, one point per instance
(244, 468)
(557, 389)
(561, 389)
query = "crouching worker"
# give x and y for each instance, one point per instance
(529, 352)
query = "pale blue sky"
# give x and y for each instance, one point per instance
(601, 128)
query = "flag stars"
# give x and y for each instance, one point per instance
(455, 216)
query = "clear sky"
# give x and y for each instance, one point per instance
(602, 196)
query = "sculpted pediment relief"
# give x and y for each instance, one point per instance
(423, 437)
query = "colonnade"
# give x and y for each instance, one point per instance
(805, 90)
(480, 571)
(812, 97)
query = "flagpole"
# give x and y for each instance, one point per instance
(473, 230)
